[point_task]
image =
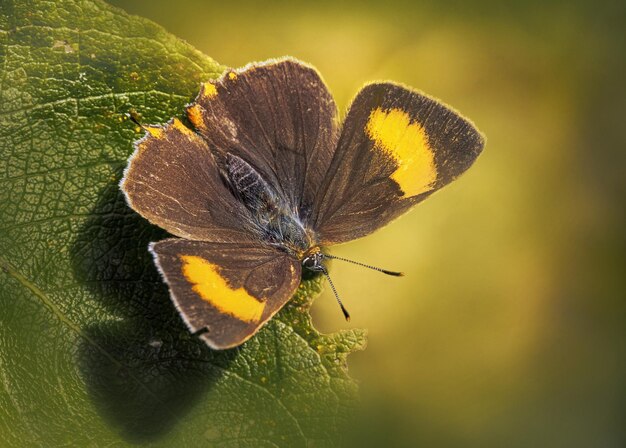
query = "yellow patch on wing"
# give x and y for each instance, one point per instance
(194, 113)
(178, 125)
(213, 288)
(209, 90)
(407, 143)
(232, 76)
(154, 131)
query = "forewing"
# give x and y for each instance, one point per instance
(226, 290)
(173, 181)
(279, 117)
(396, 148)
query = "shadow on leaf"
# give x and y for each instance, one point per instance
(143, 369)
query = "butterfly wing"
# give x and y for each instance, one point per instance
(173, 181)
(230, 290)
(280, 118)
(396, 148)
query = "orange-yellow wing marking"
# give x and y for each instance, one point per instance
(213, 288)
(407, 143)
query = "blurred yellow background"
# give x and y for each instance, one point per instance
(508, 329)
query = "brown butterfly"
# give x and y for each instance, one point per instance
(269, 178)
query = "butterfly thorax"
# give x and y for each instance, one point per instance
(271, 217)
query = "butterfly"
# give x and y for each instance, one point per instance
(269, 177)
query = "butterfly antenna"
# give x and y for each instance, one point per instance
(332, 286)
(384, 271)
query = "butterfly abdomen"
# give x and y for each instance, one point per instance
(276, 223)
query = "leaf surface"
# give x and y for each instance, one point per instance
(92, 352)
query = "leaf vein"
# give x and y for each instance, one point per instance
(111, 95)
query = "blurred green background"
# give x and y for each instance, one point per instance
(508, 329)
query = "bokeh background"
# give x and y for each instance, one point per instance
(508, 329)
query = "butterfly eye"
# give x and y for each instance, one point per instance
(309, 263)
(313, 262)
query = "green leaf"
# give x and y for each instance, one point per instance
(92, 351)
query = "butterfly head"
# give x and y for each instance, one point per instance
(312, 260)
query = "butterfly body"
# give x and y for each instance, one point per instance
(273, 220)
(269, 175)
